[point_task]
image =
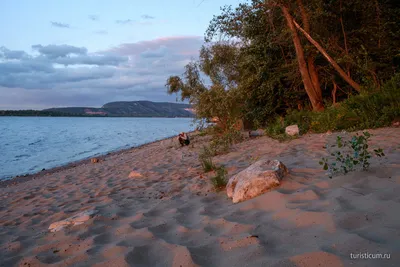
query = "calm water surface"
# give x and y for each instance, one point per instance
(29, 144)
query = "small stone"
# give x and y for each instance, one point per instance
(292, 130)
(259, 132)
(134, 174)
(95, 160)
(77, 219)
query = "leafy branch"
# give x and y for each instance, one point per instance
(347, 162)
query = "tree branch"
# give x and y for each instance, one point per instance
(349, 80)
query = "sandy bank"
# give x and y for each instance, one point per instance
(172, 217)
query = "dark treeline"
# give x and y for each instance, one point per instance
(318, 63)
(45, 113)
(42, 113)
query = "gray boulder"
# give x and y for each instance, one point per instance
(255, 180)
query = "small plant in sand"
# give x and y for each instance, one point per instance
(352, 155)
(219, 180)
(222, 142)
(205, 158)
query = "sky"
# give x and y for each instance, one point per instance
(89, 52)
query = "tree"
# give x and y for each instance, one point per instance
(219, 99)
(274, 56)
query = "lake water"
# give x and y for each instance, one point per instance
(29, 144)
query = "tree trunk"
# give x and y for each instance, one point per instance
(312, 70)
(344, 37)
(378, 20)
(315, 98)
(314, 76)
(334, 92)
(353, 84)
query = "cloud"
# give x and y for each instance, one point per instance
(183, 45)
(155, 53)
(60, 25)
(93, 17)
(147, 17)
(99, 60)
(65, 75)
(101, 32)
(125, 21)
(54, 51)
(12, 54)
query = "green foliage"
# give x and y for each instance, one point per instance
(221, 142)
(220, 180)
(251, 63)
(203, 133)
(368, 110)
(276, 130)
(346, 161)
(205, 158)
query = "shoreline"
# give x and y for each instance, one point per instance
(144, 117)
(73, 164)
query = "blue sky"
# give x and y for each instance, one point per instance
(89, 52)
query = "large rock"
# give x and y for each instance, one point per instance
(77, 219)
(292, 130)
(255, 180)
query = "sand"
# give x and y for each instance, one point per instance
(171, 216)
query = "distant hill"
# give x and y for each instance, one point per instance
(130, 109)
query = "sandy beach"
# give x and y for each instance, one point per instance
(171, 215)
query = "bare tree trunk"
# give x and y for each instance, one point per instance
(334, 92)
(304, 16)
(349, 80)
(378, 20)
(344, 37)
(312, 70)
(314, 76)
(316, 99)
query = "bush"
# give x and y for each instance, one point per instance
(367, 110)
(205, 158)
(276, 130)
(222, 142)
(219, 180)
(203, 133)
(358, 158)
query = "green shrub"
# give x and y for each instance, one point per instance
(205, 158)
(365, 111)
(221, 142)
(351, 155)
(276, 130)
(203, 133)
(220, 180)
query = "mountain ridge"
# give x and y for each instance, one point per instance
(141, 108)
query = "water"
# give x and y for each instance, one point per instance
(29, 144)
